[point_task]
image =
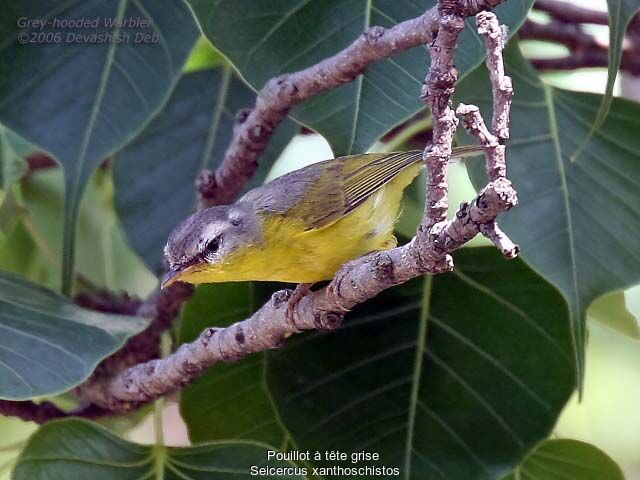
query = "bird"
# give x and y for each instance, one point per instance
(301, 227)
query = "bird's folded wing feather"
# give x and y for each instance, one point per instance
(322, 193)
(346, 183)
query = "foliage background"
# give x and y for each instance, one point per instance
(115, 251)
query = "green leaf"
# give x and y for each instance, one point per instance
(232, 396)
(10, 211)
(103, 257)
(155, 174)
(48, 345)
(20, 255)
(577, 222)
(81, 102)
(203, 56)
(15, 433)
(611, 310)
(450, 377)
(78, 449)
(567, 459)
(12, 165)
(265, 39)
(620, 14)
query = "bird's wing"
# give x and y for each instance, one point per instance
(323, 192)
(344, 184)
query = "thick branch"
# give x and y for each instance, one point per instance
(43, 412)
(356, 282)
(569, 34)
(589, 59)
(569, 12)
(254, 127)
(586, 50)
(437, 90)
(31, 411)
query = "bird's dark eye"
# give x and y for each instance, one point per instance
(213, 246)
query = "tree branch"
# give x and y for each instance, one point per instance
(363, 278)
(436, 92)
(586, 50)
(568, 12)
(161, 308)
(255, 126)
(43, 412)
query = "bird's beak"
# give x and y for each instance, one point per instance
(172, 276)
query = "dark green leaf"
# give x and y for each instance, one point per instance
(155, 174)
(577, 222)
(450, 377)
(48, 345)
(78, 449)
(81, 102)
(567, 459)
(264, 39)
(231, 400)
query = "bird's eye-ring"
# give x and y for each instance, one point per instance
(213, 246)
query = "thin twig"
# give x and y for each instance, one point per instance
(436, 92)
(493, 141)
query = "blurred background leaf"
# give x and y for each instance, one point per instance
(155, 174)
(15, 434)
(611, 310)
(88, 99)
(12, 164)
(33, 247)
(607, 416)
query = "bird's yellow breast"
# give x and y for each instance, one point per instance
(291, 253)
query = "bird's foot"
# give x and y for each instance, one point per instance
(302, 289)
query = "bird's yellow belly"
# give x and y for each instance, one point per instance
(290, 254)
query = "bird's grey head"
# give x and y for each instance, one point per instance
(207, 237)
